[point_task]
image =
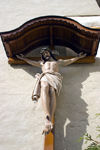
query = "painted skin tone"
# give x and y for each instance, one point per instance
(48, 92)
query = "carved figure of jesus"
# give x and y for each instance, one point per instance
(49, 82)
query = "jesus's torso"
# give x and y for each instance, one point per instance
(50, 66)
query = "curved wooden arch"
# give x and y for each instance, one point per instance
(51, 31)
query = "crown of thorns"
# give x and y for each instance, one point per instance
(45, 49)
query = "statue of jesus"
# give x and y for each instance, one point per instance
(49, 82)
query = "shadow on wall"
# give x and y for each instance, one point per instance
(71, 116)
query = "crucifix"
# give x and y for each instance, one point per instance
(50, 31)
(49, 82)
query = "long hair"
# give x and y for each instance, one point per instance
(43, 58)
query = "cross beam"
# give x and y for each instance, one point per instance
(87, 59)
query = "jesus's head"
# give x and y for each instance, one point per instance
(46, 55)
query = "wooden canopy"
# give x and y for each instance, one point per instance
(50, 31)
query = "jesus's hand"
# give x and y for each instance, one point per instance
(81, 55)
(21, 56)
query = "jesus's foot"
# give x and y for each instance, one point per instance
(48, 126)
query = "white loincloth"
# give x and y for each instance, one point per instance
(54, 79)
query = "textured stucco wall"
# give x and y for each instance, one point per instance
(21, 120)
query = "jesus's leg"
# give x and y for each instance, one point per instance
(46, 106)
(52, 102)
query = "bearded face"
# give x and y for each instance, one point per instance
(46, 55)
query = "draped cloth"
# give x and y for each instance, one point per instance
(54, 79)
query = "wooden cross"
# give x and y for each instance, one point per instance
(49, 138)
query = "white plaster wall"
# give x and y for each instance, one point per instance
(22, 120)
(14, 13)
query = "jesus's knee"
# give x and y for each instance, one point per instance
(52, 90)
(45, 86)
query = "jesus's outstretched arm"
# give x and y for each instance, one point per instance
(31, 62)
(72, 60)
